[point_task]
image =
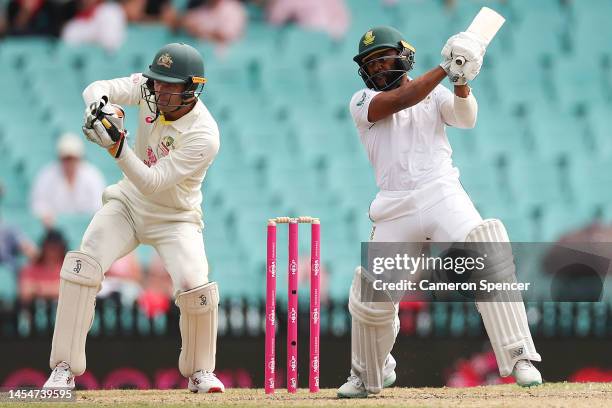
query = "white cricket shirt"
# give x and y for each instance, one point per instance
(165, 171)
(410, 148)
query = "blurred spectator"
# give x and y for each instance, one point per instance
(479, 369)
(38, 17)
(3, 23)
(330, 16)
(596, 232)
(97, 22)
(155, 298)
(219, 21)
(41, 277)
(69, 186)
(14, 243)
(147, 11)
(123, 278)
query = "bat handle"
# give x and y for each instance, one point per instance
(459, 60)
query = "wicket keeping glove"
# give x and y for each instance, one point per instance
(104, 125)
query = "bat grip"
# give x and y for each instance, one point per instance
(460, 60)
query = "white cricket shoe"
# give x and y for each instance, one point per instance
(204, 381)
(61, 377)
(354, 388)
(525, 374)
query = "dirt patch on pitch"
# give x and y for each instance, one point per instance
(591, 395)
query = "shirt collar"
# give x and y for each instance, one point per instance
(183, 123)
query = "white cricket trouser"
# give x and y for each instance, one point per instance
(441, 212)
(117, 229)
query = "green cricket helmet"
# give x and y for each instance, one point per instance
(175, 63)
(380, 39)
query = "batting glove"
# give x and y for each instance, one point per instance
(467, 49)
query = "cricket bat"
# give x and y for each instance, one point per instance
(485, 25)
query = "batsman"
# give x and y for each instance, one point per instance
(402, 123)
(158, 203)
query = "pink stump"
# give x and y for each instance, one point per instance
(292, 309)
(270, 309)
(315, 305)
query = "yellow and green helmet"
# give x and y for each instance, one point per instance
(175, 63)
(382, 38)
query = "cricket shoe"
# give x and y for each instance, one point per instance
(61, 377)
(354, 388)
(525, 374)
(204, 381)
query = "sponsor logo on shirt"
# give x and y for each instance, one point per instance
(362, 100)
(151, 159)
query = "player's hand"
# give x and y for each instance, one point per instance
(462, 57)
(92, 128)
(104, 126)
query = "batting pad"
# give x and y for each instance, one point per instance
(504, 315)
(374, 328)
(80, 280)
(198, 324)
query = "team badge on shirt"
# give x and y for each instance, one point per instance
(165, 145)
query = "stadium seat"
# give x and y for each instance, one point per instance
(483, 182)
(8, 285)
(19, 51)
(558, 220)
(154, 35)
(589, 179)
(22, 219)
(536, 182)
(73, 227)
(590, 27)
(538, 158)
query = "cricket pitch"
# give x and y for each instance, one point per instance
(591, 395)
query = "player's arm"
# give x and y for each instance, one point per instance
(408, 94)
(28, 248)
(459, 110)
(196, 153)
(122, 91)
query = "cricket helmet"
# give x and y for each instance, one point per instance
(379, 39)
(175, 63)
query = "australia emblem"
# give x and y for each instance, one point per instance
(165, 145)
(165, 60)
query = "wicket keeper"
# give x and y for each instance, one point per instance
(401, 122)
(158, 203)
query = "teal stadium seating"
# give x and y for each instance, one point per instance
(539, 157)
